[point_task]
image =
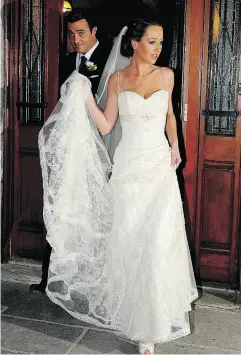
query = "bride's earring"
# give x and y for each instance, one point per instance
(133, 45)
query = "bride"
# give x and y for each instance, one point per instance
(120, 256)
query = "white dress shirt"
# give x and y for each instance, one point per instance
(87, 55)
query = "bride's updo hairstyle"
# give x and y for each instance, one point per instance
(135, 31)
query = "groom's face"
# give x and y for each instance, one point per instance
(81, 37)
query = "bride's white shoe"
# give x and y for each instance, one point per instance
(146, 348)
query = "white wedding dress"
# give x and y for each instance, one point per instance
(136, 276)
(149, 263)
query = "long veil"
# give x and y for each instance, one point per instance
(77, 198)
(114, 63)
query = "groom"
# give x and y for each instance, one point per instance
(89, 58)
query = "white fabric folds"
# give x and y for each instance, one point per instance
(120, 257)
(77, 203)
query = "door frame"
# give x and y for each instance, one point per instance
(191, 109)
(11, 172)
(195, 70)
(10, 10)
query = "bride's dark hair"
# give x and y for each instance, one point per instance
(135, 31)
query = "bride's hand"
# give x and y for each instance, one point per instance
(175, 156)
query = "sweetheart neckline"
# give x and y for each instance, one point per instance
(133, 92)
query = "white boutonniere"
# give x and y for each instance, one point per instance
(91, 66)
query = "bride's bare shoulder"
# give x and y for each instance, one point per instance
(118, 76)
(114, 76)
(113, 81)
(167, 72)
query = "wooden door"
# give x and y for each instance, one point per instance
(32, 55)
(213, 139)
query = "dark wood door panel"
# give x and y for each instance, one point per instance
(213, 136)
(28, 136)
(30, 192)
(215, 265)
(32, 60)
(213, 146)
(29, 244)
(217, 242)
(217, 204)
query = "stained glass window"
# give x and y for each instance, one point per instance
(223, 67)
(31, 63)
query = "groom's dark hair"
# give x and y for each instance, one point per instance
(78, 14)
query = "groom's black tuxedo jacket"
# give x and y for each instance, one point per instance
(98, 57)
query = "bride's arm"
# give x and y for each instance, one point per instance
(171, 125)
(105, 120)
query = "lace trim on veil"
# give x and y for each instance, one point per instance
(77, 203)
(78, 209)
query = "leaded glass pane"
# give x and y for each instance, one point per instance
(32, 60)
(224, 52)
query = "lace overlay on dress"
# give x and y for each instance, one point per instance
(120, 256)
